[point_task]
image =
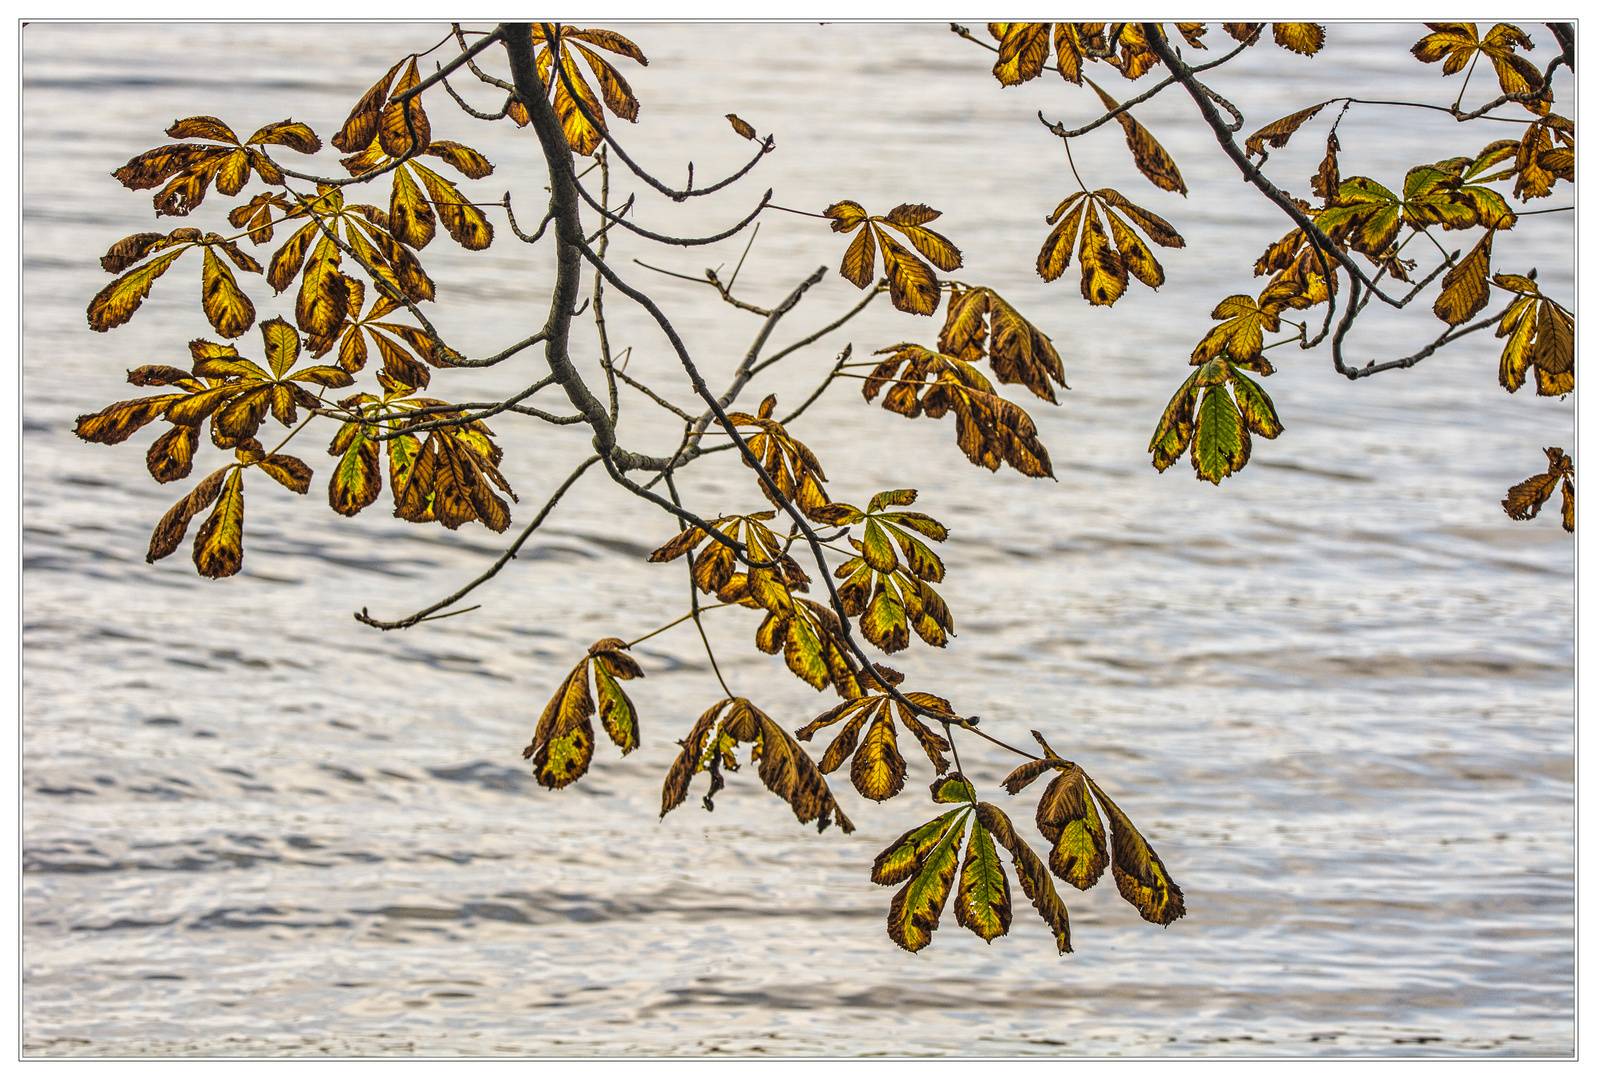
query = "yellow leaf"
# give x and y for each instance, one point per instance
(1464, 288)
(1303, 38)
(219, 545)
(912, 286)
(1276, 133)
(1103, 276)
(410, 218)
(878, 769)
(116, 303)
(1022, 52)
(169, 532)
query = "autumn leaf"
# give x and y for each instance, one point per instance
(219, 544)
(1218, 429)
(1464, 288)
(1150, 158)
(581, 116)
(742, 127)
(989, 429)
(1456, 44)
(1139, 872)
(1539, 163)
(1016, 350)
(1305, 39)
(917, 908)
(878, 768)
(1541, 335)
(783, 766)
(1104, 269)
(1022, 51)
(1030, 872)
(562, 747)
(1241, 332)
(912, 284)
(1525, 499)
(789, 463)
(1276, 133)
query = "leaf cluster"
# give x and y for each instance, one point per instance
(1525, 498)
(562, 747)
(912, 285)
(783, 767)
(889, 591)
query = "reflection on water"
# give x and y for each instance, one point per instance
(1335, 694)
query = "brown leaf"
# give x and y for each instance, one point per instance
(1276, 133)
(1151, 158)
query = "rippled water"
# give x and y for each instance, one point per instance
(1336, 693)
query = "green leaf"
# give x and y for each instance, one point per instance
(901, 859)
(953, 788)
(982, 905)
(918, 906)
(1220, 445)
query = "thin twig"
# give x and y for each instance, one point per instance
(510, 553)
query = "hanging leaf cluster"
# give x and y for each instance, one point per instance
(1067, 818)
(980, 323)
(226, 306)
(870, 736)
(964, 842)
(1546, 155)
(1525, 498)
(991, 430)
(783, 766)
(405, 350)
(1457, 44)
(387, 131)
(562, 747)
(912, 285)
(1106, 264)
(796, 471)
(1215, 413)
(808, 635)
(188, 169)
(1541, 335)
(890, 591)
(1023, 47)
(581, 115)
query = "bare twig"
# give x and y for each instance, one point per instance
(510, 553)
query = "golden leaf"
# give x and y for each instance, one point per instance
(1276, 133)
(1303, 38)
(1464, 288)
(1031, 872)
(1151, 158)
(169, 532)
(219, 544)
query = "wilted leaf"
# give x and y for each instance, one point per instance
(1151, 158)
(1139, 872)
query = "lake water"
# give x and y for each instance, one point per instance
(1336, 693)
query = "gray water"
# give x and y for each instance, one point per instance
(1336, 693)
